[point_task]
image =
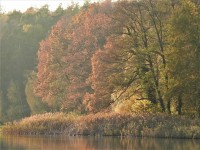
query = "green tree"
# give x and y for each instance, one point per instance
(17, 106)
(24, 31)
(143, 47)
(184, 56)
(1, 108)
(36, 105)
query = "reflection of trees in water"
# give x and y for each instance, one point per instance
(10, 146)
(91, 143)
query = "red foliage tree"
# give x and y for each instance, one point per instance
(65, 57)
(51, 77)
(108, 75)
(88, 33)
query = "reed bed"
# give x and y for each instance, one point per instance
(106, 124)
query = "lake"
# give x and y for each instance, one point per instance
(94, 143)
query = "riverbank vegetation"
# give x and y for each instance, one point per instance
(106, 124)
(109, 62)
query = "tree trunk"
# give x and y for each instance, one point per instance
(180, 104)
(169, 106)
(162, 105)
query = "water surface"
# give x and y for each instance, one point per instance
(94, 143)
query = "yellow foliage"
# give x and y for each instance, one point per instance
(26, 27)
(137, 106)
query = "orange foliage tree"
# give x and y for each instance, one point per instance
(65, 57)
(52, 78)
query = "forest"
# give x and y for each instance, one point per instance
(137, 57)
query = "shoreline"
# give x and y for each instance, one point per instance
(106, 124)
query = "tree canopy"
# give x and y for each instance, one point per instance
(145, 54)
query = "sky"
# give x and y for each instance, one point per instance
(22, 5)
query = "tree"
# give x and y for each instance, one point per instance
(35, 103)
(3, 22)
(1, 108)
(17, 107)
(90, 30)
(184, 55)
(24, 31)
(52, 77)
(65, 57)
(143, 58)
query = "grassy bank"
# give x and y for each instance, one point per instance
(106, 124)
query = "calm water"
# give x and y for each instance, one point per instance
(95, 143)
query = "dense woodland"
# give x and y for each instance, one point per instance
(125, 56)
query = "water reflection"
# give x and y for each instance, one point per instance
(95, 143)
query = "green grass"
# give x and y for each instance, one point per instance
(107, 124)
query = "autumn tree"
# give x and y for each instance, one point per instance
(184, 56)
(65, 57)
(90, 30)
(52, 77)
(143, 58)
